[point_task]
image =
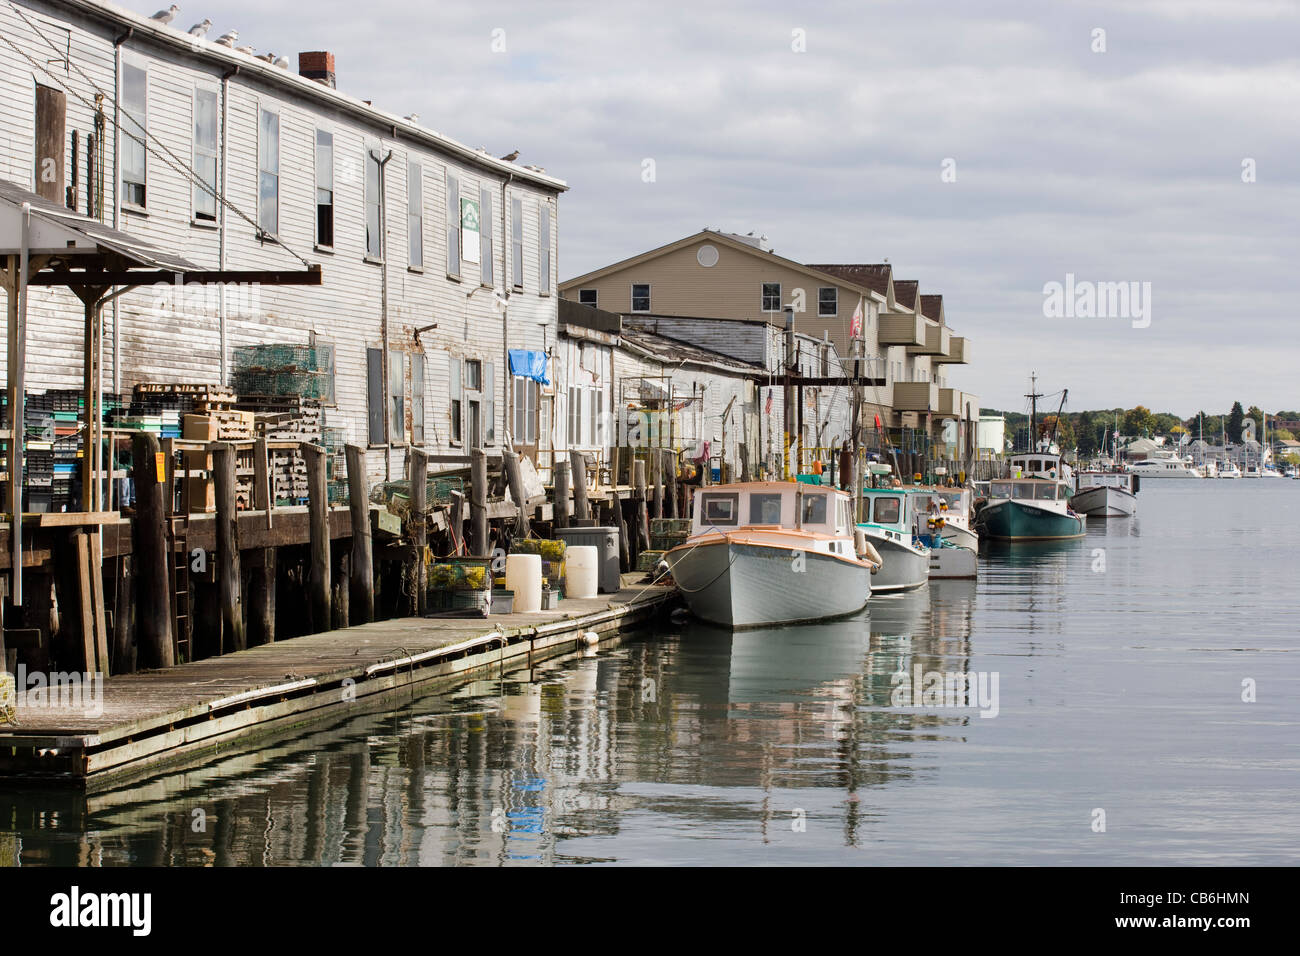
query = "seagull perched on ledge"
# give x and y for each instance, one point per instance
(266, 57)
(228, 39)
(246, 50)
(200, 29)
(511, 157)
(168, 15)
(282, 62)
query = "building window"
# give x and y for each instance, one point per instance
(517, 243)
(473, 374)
(417, 398)
(575, 415)
(543, 247)
(396, 398)
(375, 396)
(587, 297)
(324, 188)
(205, 155)
(640, 297)
(771, 297)
(374, 226)
(453, 225)
(489, 404)
(457, 402)
(268, 172)
(485, 275)
(828, 301)
(135, 95)
(526, 401)
(415, 214)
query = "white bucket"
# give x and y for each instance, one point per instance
(581, 571)
(524, 577)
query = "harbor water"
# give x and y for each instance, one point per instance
(1136, 701)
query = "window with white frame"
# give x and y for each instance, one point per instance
(543, 247)
(135, 108)
(517, 242)
(485, 272)
(771, 297)
(828, 301)
(457, 402)
(415, 214)
(587, 297)
(527, 397)
(417, 398)
(324, 189)
(268, 171)
(640, 297)
(453, 224)
(205, 155)
(374, 205)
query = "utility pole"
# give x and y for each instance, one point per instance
(789, 388)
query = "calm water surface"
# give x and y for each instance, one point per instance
(1119, 659)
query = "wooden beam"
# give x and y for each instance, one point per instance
(63, 519)
(73, 279)
(361, 568)
(318, 587)
(419, 478)
(229, 573)
(153, 605)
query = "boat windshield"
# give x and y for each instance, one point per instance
(765, 508)
(1045, 492)
(719, 508)
(886, 509)
(1000, 489)
(814, 509)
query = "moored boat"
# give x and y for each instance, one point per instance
(889, 525)
(1033, 504)
(769, 552)
(1105, 494)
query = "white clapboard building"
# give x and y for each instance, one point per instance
(438, 259)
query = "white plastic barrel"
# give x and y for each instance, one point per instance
(581, 571)
(524, 577)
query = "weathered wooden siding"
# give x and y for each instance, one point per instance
(161, 343)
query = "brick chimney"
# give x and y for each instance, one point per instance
(318, 66)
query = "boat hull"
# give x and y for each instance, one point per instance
(740, 585)
(953, 563)
(902, 567)
(1011, 520)
(1104, 502)
(961, 537)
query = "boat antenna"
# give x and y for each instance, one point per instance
(1033, 396)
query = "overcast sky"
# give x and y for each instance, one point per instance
(1117, 166)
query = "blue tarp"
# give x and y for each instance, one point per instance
(529, 364)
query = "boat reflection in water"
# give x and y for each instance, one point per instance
(629, 753)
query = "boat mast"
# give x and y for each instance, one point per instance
(1060, 408)
(1033, 396)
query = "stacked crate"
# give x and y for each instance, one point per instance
(226, 426)
(305, 371)
(38, 471)
(286, 418)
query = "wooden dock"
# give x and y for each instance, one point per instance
(185, 713)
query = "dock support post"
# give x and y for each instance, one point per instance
(478, 484)
(657, 480)
(516, 481)
(261, 597)
(581, 506)
(361, 566)
(150, 543)
(670, 469)
(318, 519)
(560, 510)
(229, 575)
(419, 478)
(638, 496)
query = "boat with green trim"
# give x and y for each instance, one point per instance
(1033, 504)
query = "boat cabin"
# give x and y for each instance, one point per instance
(1038, 464)
(889, 509)
(1030, 489)
(1107, 479)
(958, 500)
(773, 504)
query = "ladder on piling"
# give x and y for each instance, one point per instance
(178, 574)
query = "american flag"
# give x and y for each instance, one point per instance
(855, 327)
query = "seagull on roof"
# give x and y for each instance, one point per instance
(266, 57)
(199, 29)
(168, 15)
(228, 38)
(511, 157)
(282, 62)
(246, 50)
(412, 118)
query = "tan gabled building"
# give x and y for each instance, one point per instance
(904, 338)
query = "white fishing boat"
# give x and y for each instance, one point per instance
(1105, 494)
(890, 527)
(955, 506)
(770, 552)
(1226, 468)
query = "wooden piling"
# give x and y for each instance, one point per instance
(123, 617)
(560, 509)
(153, 605)
(261, 597)
(418, 463)
(638, 496)
(229, 575)
(478, 484)
(581, 506)
(670, 468)
(516, 481)
(318, 520)
(361, 566)
(656, 476)
(456, 522)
